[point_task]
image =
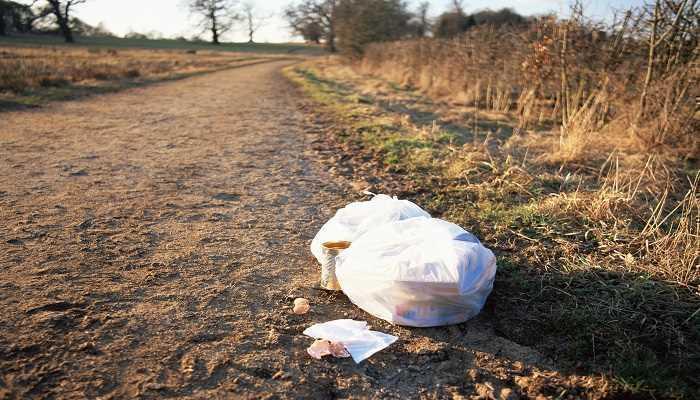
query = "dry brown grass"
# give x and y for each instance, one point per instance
(626, 193)
(643, 223)
(34, 71)
(576, 92)
(576, 73)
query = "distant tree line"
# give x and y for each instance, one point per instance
(17, 17)
(456, 21)
(350, 25)
(46, 17)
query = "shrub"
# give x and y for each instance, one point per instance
(581, 75)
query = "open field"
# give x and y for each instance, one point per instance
(35, 76)
(598, 255)
(159, 44)
(37, 69)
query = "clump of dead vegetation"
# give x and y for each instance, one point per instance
(621, 99)
(636, 77)
(571, 149)
(39, 70)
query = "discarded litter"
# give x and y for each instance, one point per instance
(330, 250)
(338, 350)
(323, 347)
(301, 306)
(350, 222)
(417, 272)
(354, 336)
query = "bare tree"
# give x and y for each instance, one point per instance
(35, 13)
(253, 20)
(657, 38)
(216, 16)
(316, 14)
(420, 23)
(671, 29)
(61, 10)
(458, 6)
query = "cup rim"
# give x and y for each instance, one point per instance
(336, 244)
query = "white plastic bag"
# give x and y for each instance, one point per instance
(358, 340)
(353, 220)
(418, 272)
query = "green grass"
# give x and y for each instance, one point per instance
(160, 44)
(376, 131)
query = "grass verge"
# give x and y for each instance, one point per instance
(598, 259)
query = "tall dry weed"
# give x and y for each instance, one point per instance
(653, 78)
(671, 237)
(582, 122)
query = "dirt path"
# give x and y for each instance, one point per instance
(152, 241)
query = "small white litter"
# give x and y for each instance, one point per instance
(353, 220)
(358, 340)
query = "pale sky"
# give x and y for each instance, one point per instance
(171, 18)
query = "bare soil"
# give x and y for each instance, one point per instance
(153, 241)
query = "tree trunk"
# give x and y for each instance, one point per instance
(214, 29)
(63, 21)
(330, 41)
(66, 31)
(330, 19)
(251, 28)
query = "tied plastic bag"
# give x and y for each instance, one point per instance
(418, 272)
(355, 336)
(353, 220)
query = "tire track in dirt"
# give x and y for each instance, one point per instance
(152, 243)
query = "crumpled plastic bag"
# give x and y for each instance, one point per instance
(358, 340)
(353, 220)
(418, 272)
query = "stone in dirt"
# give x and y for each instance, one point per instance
(226, 196)
(301, 306)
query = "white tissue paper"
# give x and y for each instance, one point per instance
(358, 340)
